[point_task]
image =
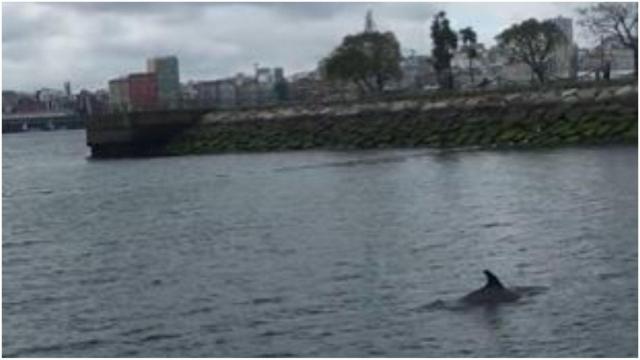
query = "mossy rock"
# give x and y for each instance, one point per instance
(587, 128)
(474, 138)
(619, 127)
(630, 135)
(487, 139)
(573, 139)
(459, 139)
(560, 128)
(603, 129)
(512, 134)
(432, 139)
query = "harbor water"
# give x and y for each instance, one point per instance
(316, 253)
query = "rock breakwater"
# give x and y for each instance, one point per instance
(524, 119)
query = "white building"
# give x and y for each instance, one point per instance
(480, 66)
(564, 58)
(609, 53)
(417, 72)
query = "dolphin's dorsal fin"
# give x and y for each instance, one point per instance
(492, 280)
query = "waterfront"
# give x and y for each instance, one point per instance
(316, 253)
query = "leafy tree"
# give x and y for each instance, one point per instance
(369, 59)
(532, 42)
(445, 42)
(469, 40)
(619, 20)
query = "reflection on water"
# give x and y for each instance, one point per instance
(316, 253)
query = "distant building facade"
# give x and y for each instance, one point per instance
(609, 56)
(158, 88)
(43, 100)
(143, 91)
(53, 99)
(119, 94)
(563, 62)
(137, 91)
(67, 88)
(167, 75)
(88, 103)
(417, 72)
(313, 87)
(216, 93)
(267, 86)
(462, 70)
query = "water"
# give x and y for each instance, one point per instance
(316, 253)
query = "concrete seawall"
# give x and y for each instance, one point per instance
(526, 119)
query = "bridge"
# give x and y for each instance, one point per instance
(12, 123)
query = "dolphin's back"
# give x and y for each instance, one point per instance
(490, 296)
(492, 292)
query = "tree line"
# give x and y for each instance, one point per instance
(371, 59)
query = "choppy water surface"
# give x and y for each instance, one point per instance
(316, 253)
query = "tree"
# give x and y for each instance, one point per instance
(532, 42)
(369, 59)
(444, 42)
(469, 40)
(619, 20)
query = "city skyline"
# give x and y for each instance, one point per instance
(46, 44)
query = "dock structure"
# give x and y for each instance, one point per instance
(138, 133)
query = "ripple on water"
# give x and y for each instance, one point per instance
(7, 245)
(346, 277)
(61, 348)
(198, 311)
(277, 355)
(273, 333)
(496, 224)
(267, 300)
(158, 337)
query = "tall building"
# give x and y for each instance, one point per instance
(168, 79)
(278, 74)
(264, 75)
(67, 88)
(563, 62)
(566, 25)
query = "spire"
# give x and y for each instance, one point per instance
(369, 25)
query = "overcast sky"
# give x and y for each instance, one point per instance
(45, 44)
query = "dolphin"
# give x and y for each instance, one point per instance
(492, 292)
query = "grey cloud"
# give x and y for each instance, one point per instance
(44, 43)
(18, 24)
(127, 8)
